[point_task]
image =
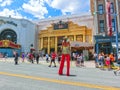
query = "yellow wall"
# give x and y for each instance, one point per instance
(81, 33)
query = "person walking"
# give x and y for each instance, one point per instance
(31, 57)
(37, 58)
(47, 57)
(107, 61)
(23, 57)
(16, 57)
(65, 55)
(96, 59)
(53, 56)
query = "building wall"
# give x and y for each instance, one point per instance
(77, 31)
(24, 29)
(98, 17)
(102, 38)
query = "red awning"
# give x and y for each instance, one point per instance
(10, 44)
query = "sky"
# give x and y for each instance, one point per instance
(40, 9)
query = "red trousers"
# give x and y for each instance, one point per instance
(67, 57)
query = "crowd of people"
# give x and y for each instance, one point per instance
(103, 61)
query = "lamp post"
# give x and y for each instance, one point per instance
(116, 31)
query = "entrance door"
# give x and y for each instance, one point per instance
(105, 48)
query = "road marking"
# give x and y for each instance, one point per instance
(61, 81)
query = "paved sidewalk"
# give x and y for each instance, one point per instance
(43, 61)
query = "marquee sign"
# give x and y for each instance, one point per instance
(10, 44)
(7, 22)
(60, 25)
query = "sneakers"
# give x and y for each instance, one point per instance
(49, 66)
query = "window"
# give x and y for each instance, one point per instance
(79, 38)
(111, 8)
(8, 34)
(102, 26)
(113, 25)
(100, 9)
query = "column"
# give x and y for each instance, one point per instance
(48, 49)
(41, 43)
(84, 38)
(74, 37)
(56, 42)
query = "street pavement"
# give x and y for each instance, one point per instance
(27, 76)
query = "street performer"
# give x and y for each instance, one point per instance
(65, 55)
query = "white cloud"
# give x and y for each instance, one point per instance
(6, 12)
(36, 8)
(6, 2)
(72, 6)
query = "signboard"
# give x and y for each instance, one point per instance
(60, 25)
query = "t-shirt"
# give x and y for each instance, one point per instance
(53, 55)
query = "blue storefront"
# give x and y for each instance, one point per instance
(106, 44)
(9, 51)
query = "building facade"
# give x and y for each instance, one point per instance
(77, 28)
(15, 32)
(106, 15)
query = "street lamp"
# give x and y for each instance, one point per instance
(116, 31)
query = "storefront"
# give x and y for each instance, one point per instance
(106, 44)
(17, 34)
(7, 47)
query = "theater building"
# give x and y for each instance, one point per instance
(77, 28)
(16, 34)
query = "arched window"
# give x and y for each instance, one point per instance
(8, 34)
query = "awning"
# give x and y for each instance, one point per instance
(114, 45)
(77, 44)
(8, 44)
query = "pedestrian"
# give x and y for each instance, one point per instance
(112, 59)
(47, 57)
(37, 58)
(53, 56)
(31, 57)
(16, 57)
(82, 60)
(107, 61)
(101, 61)
(65, 55)
(78, 62)
(95, 56)
(23, 57)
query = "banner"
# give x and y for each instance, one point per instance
(109, 19)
